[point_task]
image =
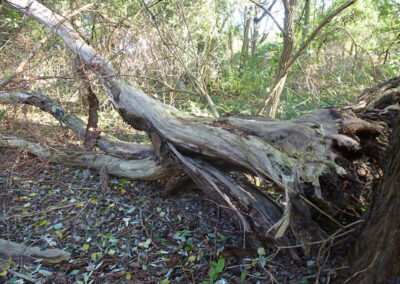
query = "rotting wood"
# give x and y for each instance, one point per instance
(375, 256)
(308, 159)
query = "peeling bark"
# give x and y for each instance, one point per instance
(301, 157)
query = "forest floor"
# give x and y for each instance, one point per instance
(132, 233)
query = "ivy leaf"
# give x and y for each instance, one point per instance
(45, 272)
(74, 272)
(212, 273)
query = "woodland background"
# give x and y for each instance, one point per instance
(207, 58)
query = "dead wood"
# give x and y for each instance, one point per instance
(17, 251)
(92, 130)
(140, 169)
(370, 97)
(105, 142)
(104, 179)
(309, 159)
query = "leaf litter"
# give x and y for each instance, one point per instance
(133, 233)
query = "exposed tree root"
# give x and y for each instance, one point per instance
(309, 159)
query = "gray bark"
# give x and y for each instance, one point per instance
(295, 155)
(139, 169)
(14, 250)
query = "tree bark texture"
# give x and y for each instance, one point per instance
(270, 104)
(309, 159)
(107, 143)
(376, 255)
(246, 32)
(17, 251)
(307, 10)
(139, 169)
(92, 131)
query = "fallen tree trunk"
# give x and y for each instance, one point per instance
(130, 160)
(309, 159)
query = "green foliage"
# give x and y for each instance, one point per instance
(9, 17)
(245, 80)
(6, 72)
(216, 268)
(354, 50)
(10, 21)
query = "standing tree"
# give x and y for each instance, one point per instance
(288, 57)
(376, 256)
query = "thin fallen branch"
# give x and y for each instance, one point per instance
(27, 277)
(49, 256)
(105, 142)
(36, 149)
(140, 169)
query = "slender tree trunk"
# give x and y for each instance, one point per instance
(211, 104)
(270, 103)
(376, 255)
(254, 37)
(287, 57)
(246, 35)
(230, 44)
(306, 27)
(92, 129)
(202, 89)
